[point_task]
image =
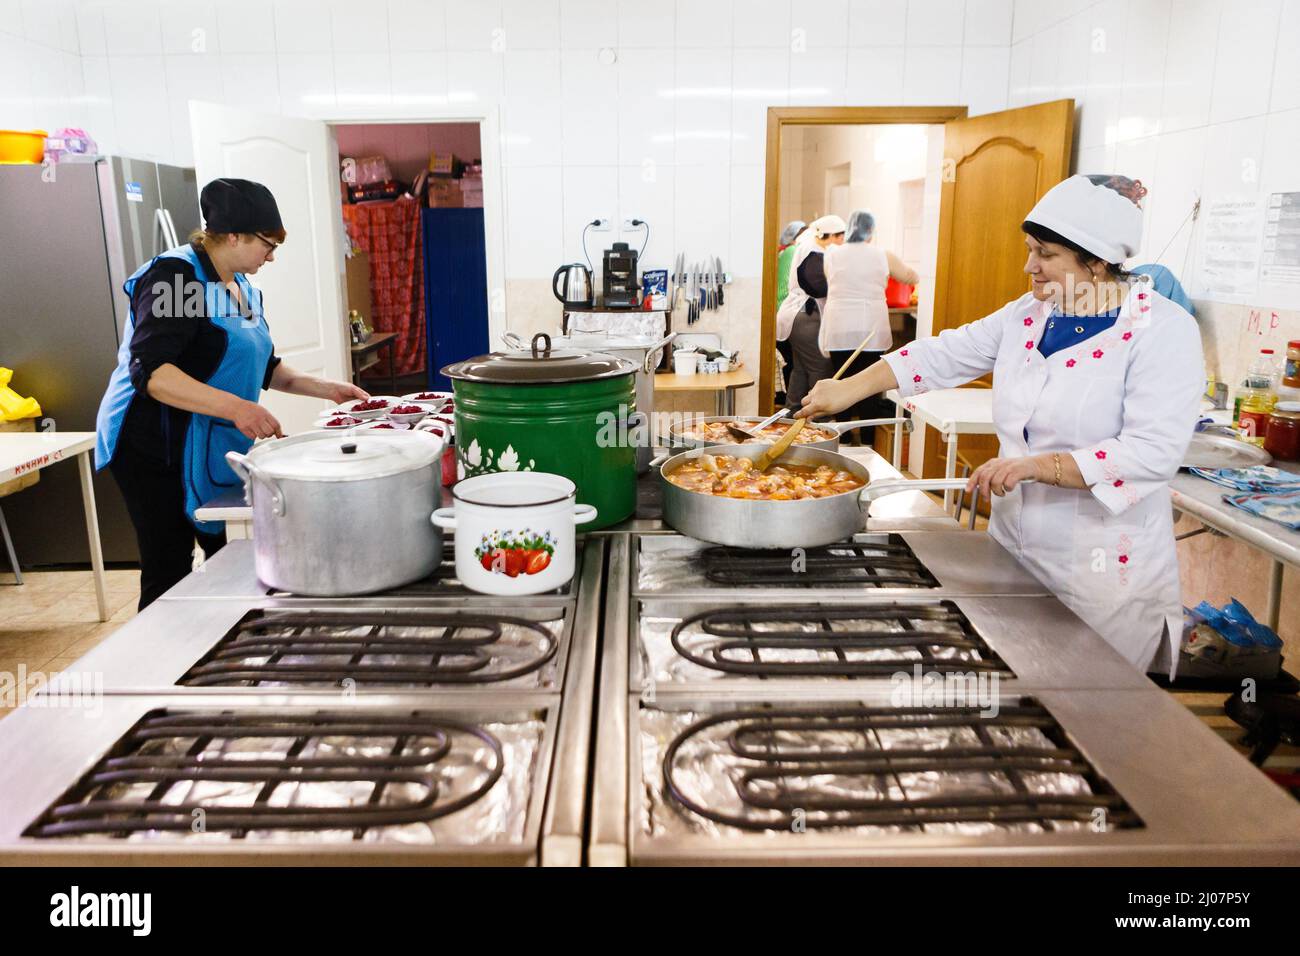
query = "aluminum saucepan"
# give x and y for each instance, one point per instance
(678, 437)
(801, 523)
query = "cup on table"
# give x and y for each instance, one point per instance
(686, 362)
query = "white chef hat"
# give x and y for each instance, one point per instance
(1092, 216)
(827, 226)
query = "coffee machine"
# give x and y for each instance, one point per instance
(619, 278)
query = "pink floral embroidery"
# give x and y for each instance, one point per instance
(903, 352)
(1119, 482)
(1097, 353)
(1123, 559)
(1069, 363)
(916, 378)
(1028, 321)
(1126, 336)
(1029, 345)
(1101, 455)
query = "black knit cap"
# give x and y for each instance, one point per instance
(239, 205)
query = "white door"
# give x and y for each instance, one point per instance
(297, 159)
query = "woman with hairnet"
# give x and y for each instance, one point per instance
(785, 250)
(1097, 382)
(799, 317)
(856, 275)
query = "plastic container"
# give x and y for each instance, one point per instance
(1263, 372)
(898, 295)
(1282, 439)
(686, 362)
(22, 146)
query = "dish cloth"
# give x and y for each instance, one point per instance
(1282, 507)
(1259, 478)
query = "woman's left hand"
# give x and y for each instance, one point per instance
(997, 476)
(339, 392)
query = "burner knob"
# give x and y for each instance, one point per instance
(350, 448)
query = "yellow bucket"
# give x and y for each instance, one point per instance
(22, 146)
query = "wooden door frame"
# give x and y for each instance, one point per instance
(777, 118)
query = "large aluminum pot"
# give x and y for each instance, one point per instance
(803, 523)
(343, 514)
(679, 434)
(643, 353)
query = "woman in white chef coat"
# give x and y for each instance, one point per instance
(1096, 389)
(799, 316)
(856, 312)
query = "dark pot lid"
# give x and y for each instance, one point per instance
(540, 366)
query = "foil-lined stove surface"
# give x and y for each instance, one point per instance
(813, 642)
(472, 783)
(382, 648)
(828, 779)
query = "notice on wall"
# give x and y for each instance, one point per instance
(1231, 248)
(1279, 270)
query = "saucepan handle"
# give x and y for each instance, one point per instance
(660, 459)
(584, 513)
(247, 471)
(444, 518)
(889, 486)
(512, 340)
(842, 427)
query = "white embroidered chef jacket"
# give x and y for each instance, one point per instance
(1124, 404)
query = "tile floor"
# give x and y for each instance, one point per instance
(52, 619)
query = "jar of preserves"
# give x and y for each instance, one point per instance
(1282, 440)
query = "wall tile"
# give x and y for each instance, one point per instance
(532, 108)
(474, 26)
(988, 23)
(590, 192)
(531, 24)
(1243, 62)
(357, 28)
(646, 108)
(818, 79)
(419, 78)
(415, 25)
(647, 24)
(648, 193)
(588, 110)
(819, 25)
(132, 28)
(703, 24)
(702, 125)
(588, 24)
(534, 221)
(303, 26)
(877, 22)
(764, 23)
(1189, 72)
(985, 75)
(1286, 68)
(247, 26)
(932, 76)
(875, 76)
(935, 22)
(362, 79)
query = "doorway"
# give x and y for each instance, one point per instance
(416, 283)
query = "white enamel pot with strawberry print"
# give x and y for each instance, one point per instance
(515, 531)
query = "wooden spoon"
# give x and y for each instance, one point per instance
(765, 461)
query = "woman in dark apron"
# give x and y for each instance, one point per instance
(196, 354)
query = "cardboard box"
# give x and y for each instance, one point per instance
(445, 194)
(445, 164)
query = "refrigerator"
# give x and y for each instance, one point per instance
(67, 243)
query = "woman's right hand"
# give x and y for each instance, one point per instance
(254, 421)
(828, 397)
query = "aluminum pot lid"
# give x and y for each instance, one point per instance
(540, 365)
(330, 456)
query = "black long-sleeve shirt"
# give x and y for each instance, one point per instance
(812, 279)
(165, 335)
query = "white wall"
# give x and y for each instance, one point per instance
(1185, 94)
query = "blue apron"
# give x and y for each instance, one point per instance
(204, 470)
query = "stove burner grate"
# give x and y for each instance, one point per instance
(418, 648)
(169, 751)
(919, 631)
(880, 565)
(775, 768)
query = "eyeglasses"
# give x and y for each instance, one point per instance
(271, 246)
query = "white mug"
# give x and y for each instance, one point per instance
(685, 362)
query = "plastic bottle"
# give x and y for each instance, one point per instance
(1263, 372)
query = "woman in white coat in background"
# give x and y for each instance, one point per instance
(856, 312)
(799, 316)
(1097, 381)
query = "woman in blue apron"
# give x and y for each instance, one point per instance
(196, 354)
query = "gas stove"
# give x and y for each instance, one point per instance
(167, 778)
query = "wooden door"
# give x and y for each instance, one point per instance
(297, 159)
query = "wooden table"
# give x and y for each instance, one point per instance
(722, 384)
(377, 342)
(24, 452)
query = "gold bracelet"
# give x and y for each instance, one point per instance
(1056, 460)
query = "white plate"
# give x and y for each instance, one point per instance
(324, 420)
(384, 426)
(441, 397)
(412, 417)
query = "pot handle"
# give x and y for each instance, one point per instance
(651, 362)
(889, 486)
(660, 459)
(584, 513)
(246, 470)
(841, 427)
(444, 518)
(512, 340)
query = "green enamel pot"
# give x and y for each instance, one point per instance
(564, 412)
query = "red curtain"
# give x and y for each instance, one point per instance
(390, 233)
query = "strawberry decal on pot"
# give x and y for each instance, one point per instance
(513, 554)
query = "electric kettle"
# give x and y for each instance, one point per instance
(572, 284)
